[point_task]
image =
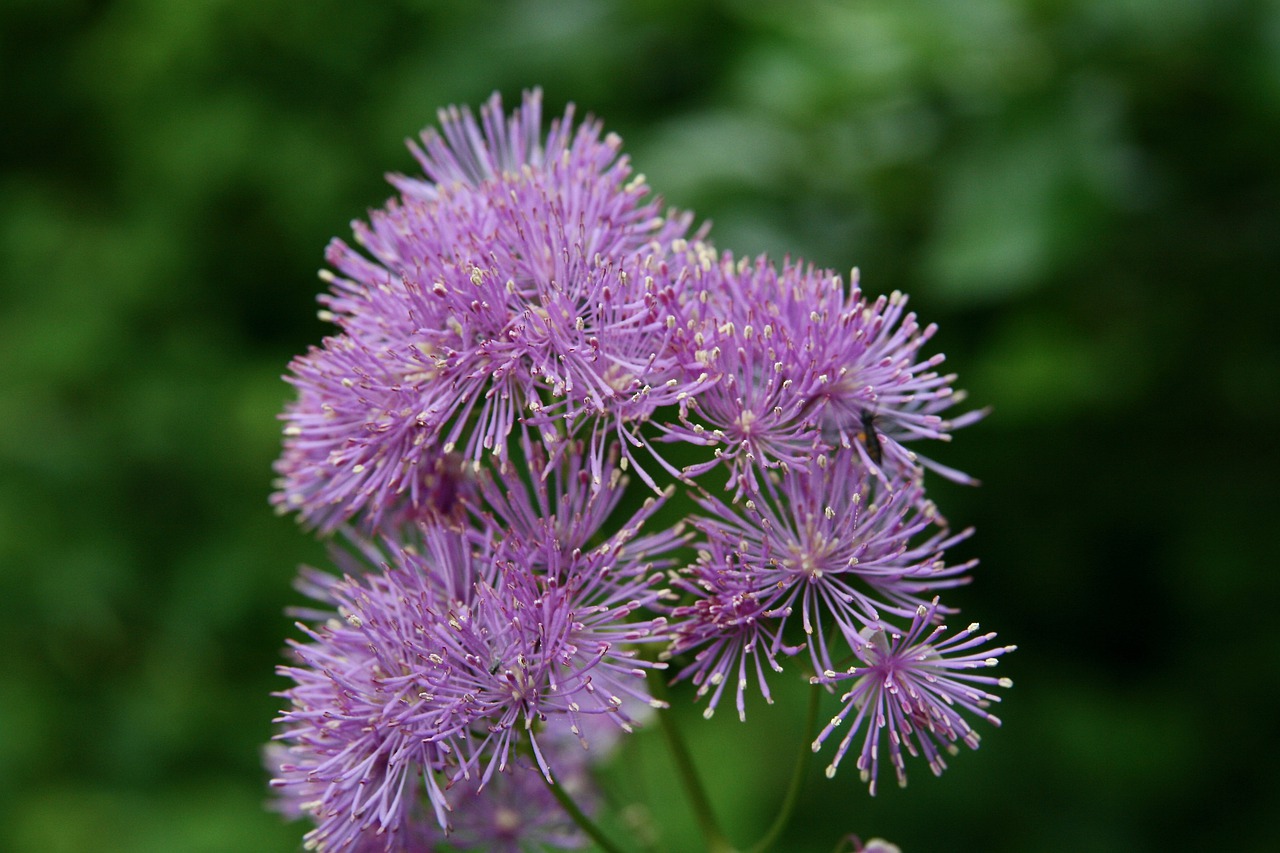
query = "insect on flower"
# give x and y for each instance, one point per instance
(870, 438)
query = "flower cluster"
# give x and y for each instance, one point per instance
(570, 445)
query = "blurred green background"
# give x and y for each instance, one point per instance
(1084, 194)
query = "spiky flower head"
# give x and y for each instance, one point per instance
(513, 329)
(826, 545)
(880, 393)
(515, 811)
(913, 690)
(523, 280)
(468, 646)
(799, 364)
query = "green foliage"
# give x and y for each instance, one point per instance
(1083, 194)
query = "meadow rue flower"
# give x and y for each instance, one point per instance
(798, 364)
(754, 338)
(730, 626)
(511, 331)
(879, 393)
(827, 544)
(436, 670)
(355, 754)
(523, 279)
(913, 689)
(535, 645)
(514, 812)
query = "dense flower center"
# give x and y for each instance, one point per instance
(810, 558)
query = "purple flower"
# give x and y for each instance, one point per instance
(561, 620)
(535, 646)
(299, 795)
(826, 544)
(511, 329)
(514, 812)
(347, 446)
(797, 365)
(759, 347)
(436, 671)
(522, 282)
(351, 756)
(916, 686)
(879, 393)
(730, 627)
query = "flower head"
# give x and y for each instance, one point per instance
(880, 394)
(796, 364)
(826, 545)
(524, 281)
(756, 340)
(515, 811)
(535, 646)
(511, 329)
(471, 644)
(730, 628)
(915, 686)
(351, 752)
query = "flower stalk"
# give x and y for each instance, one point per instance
(792, 796)
(690, 780)
(579, 817)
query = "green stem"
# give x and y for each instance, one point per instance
(579, 817)
(693, 788)
(797, 777)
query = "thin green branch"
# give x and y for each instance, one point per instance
(579, 816)
(693, 787)
(797, 777)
